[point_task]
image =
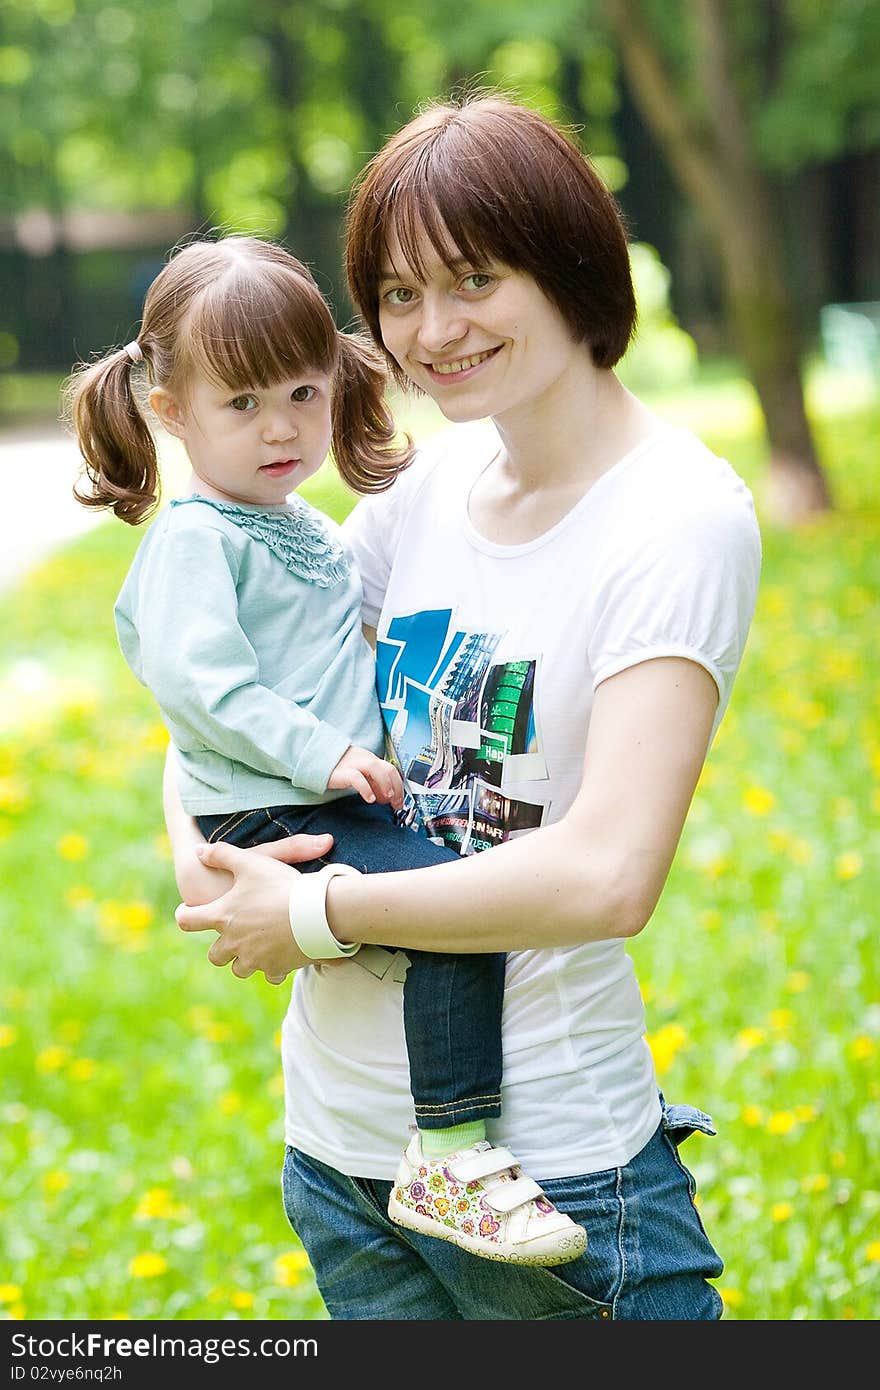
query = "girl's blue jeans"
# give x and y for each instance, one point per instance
(451, 1004)
(647, 1258)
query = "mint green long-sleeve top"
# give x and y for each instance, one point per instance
(244, 623)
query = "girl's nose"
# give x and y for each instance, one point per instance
(279, 427)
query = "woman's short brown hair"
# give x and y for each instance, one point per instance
(501, 182)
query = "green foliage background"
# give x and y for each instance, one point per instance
(141, 1106)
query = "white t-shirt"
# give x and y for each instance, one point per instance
(488, 657)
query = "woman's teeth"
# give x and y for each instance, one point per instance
(448, 368)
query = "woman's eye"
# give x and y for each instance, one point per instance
(400, 295)
(243, 403)
(478, 280)
(303, 393)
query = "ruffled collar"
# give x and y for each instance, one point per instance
(294, 532)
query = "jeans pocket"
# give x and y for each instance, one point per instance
(681, 1121)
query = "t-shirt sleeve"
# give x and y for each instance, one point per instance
(371, 533)
(683, 585)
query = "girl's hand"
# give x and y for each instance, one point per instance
(251, 917)
(372, 778)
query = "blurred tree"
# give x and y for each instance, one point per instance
(734, 95)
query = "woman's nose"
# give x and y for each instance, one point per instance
(441, 323)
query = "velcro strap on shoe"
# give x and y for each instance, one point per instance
(482, 1164)
(508, 1195)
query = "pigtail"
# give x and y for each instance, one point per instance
(120, 465)
(366, 448)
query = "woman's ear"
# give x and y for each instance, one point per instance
(168, 410)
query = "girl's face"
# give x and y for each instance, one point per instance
(256, 445)
(482, 340)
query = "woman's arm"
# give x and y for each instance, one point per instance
(594, 875)
(197, 883)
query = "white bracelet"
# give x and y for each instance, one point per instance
(308, 915)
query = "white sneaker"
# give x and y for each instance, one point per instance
(479, 1199)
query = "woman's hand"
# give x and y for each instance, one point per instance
(251, 917)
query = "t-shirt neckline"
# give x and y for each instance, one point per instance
(481, 543)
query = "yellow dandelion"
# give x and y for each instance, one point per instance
(275, 1087)
(230, 1103)
(52, 1058)
(158, 1203)
(13, 795)
(872, 1252)
(290, 1267)
(154, 739)
(781, 1020)
(73, 847)
(82, 1069)
(162, 846)
(9, 1293)
(775, 602)
(781, 1211)
(55, 1181)
(70, 1030)
(838, 1159)
(752, 1115)
(800, 851)
(749, 1038)
(797, 982)
(665, 1045)
(815, 1182)
(242, 1299)
(841, 665)
(758, 801)
(16, 1311)
(8, 1034)
(804, 1114)
(781, 1122)
(79, 896)
(862, 1048)
(848, 865)
(732, 1298)
(124, 924)
(718, 867)
(147, 1265)
(710, 920)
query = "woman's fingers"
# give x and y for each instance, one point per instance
(296, 849)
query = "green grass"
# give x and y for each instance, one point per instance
(141, 1109)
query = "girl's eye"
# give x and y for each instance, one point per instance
(303, 393)
(243, 403)
(477, 280)
(399, 295)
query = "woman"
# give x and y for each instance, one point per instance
(561, 599)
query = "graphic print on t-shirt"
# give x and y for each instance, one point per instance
(460, 723)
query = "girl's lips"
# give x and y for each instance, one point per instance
(279, 469)
(450, 373)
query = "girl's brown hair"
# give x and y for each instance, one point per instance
(245, 313)
(488, 179)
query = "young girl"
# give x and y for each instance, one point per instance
(241, 614)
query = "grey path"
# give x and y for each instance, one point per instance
(38, 467)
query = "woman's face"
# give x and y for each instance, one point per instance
(481, 340)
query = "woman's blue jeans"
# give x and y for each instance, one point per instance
(647, 1258)
(451, 1004)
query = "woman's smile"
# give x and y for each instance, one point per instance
(455, 370)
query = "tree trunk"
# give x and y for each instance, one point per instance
(717, 172)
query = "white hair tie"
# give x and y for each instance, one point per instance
(134, 351)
